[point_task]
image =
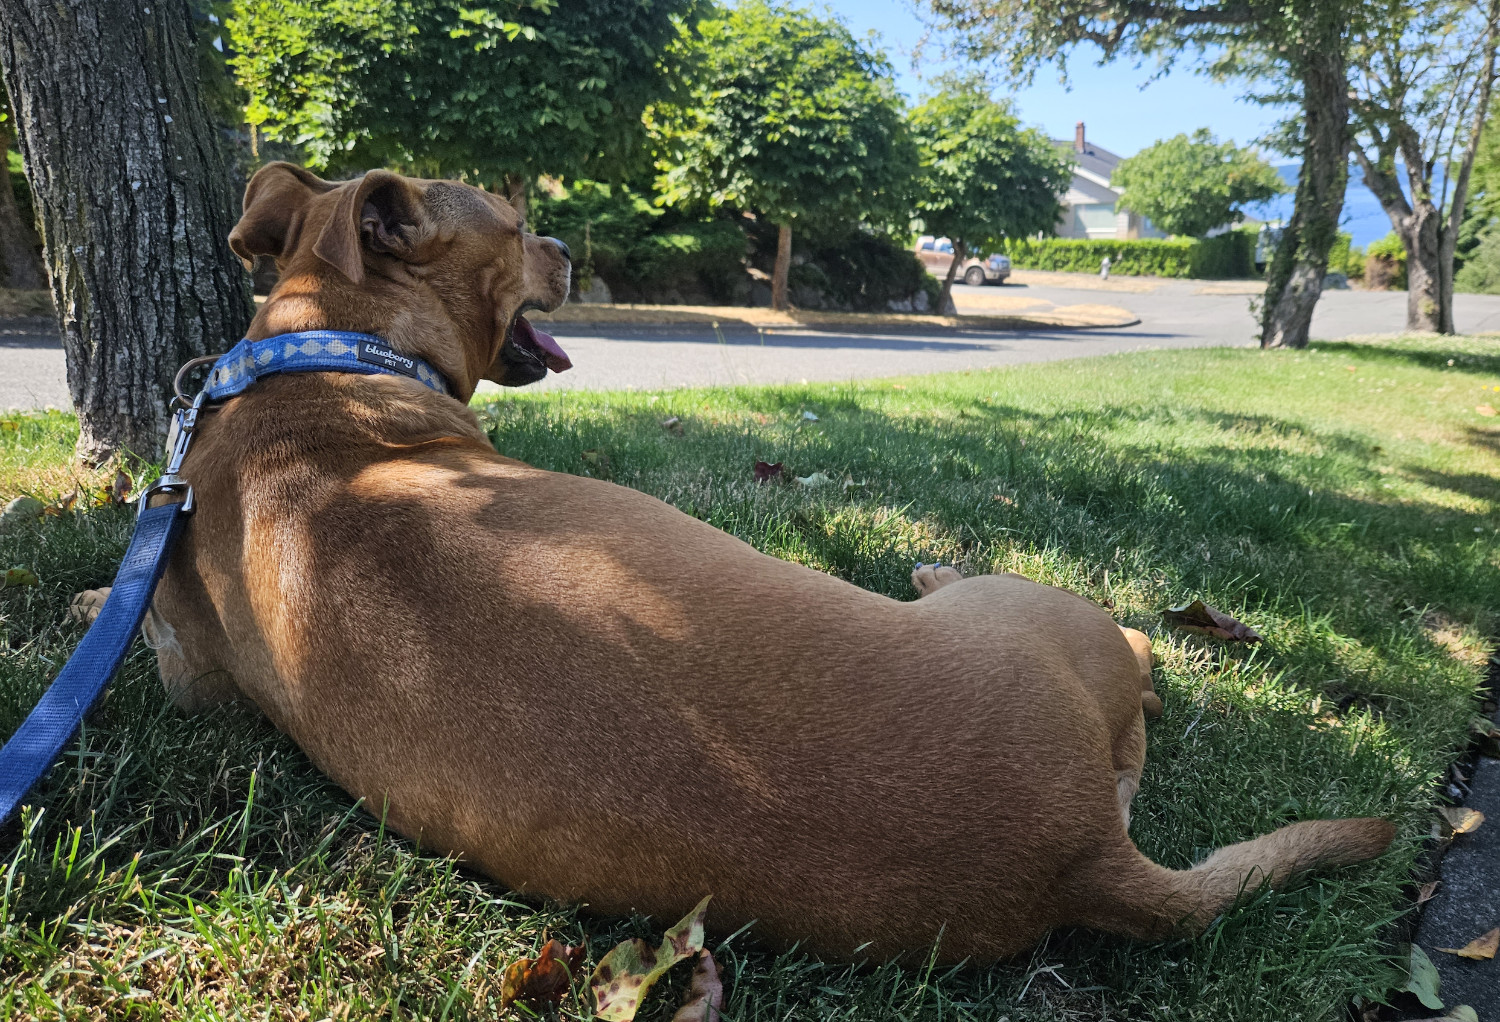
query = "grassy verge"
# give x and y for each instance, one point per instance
(1346, 502)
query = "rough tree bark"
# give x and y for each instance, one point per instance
(1418, 225)
(516, 192)
(19, 266)
(783, 267)
(134, 204)
(1294, 280)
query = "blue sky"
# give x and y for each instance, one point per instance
(1122, 113)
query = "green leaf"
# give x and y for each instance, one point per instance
(1423, 979)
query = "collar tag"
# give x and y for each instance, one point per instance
(383, 355)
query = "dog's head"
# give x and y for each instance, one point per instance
(438, 269)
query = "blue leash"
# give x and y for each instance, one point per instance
(51, 725)
(54, 721)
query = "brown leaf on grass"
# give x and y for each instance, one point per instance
(547, 978)
(1460, 819)
(19, 576)
(1426, 891)
(672, 425)
(623, 977)
(706, 994)
(1480, 949)
(61, 506)
(1485, 410)
(120, 487)
(1205, 620)
(1003, 498)
(766, 472)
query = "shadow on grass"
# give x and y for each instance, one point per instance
(1263, 515)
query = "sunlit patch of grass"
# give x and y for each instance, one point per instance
(198, 867)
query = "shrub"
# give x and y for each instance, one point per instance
(1226, 256)
(1145, 257)
(1480, 273)
(1385, 263)
(867, 272)
(1344, 258)
(703, 256)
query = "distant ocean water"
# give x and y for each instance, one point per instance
(1362, 216)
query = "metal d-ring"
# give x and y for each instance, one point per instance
(179, 399)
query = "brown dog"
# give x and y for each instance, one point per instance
(589, 695)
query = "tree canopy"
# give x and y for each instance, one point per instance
(982, 177)
(484, 91)
(788, 116)
(1189, 185)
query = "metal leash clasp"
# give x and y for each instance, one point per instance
(179, 438)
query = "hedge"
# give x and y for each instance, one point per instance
(1147, 257)
(1228, 255)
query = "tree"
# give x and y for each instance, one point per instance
(786, 115)
(982, 177)
(493, 92)
(19, 265)
(133, 201)
(1304, 42)
(1423, 75)
(1190, 185)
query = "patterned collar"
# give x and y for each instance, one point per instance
(310, 351)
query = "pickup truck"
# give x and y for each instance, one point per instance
(937, 254)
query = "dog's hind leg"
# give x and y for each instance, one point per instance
(1140, 645)
(929, 578)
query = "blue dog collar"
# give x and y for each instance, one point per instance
(312, 351)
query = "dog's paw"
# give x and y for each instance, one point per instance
(87, 605)
(929, 578)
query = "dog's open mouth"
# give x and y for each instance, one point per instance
(541, 346)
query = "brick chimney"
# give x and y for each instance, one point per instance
(1078, 145)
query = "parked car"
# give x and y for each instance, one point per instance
(937, 254)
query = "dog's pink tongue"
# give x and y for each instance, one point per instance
(557, 360)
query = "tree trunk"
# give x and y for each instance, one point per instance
(19, 266)
(1417, 224)
(783, 267)
(945, 301)
(515, 192)
(134, 204)
(1294, 280)
(1448, 232)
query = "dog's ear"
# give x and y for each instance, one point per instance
(275, 202)
(381, 213)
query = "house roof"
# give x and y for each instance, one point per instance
(1092, 168)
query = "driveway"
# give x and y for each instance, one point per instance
(1173, 314)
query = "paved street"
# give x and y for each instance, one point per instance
(1174, 314)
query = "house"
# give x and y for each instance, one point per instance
(1089, 205)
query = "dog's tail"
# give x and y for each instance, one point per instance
(1132, 895)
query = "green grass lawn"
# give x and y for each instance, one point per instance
(1345, 501)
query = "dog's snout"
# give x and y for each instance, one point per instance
(564, 246)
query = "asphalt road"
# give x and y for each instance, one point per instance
(1175, 314)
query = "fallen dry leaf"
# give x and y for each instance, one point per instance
(672, 425)
(61, 506)
(20, 511)
(623, 977)
(706, 994)
(120, 487)
(1426, 891)
(1481, 948)
(816, 479)
(1001, 498)
(17, 577)
(766, 471)
(1485, 410)
(1201, 618)
(1461, 819)
(546, 978)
